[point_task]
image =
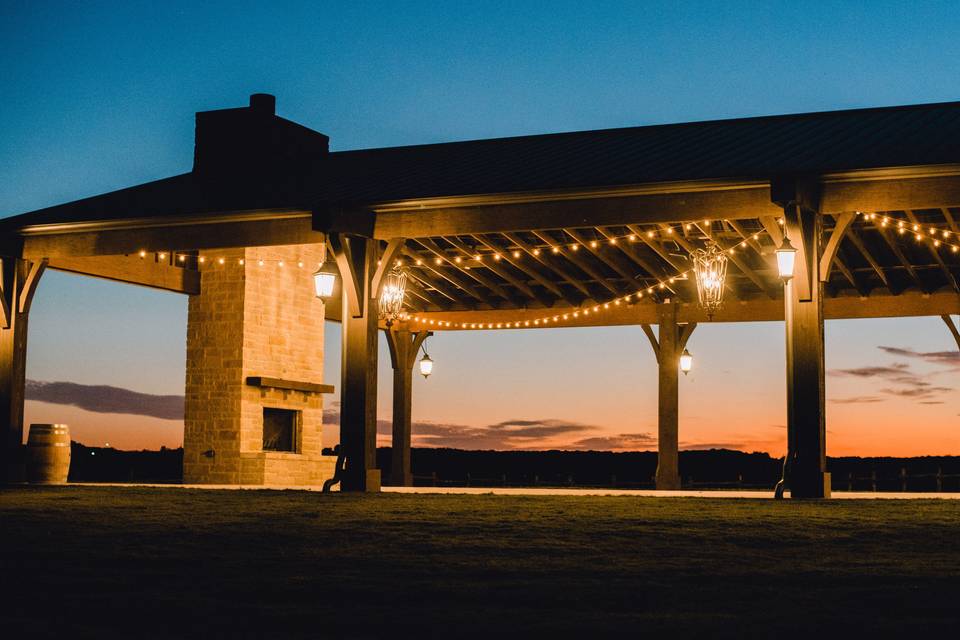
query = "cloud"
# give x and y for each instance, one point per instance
(895, 370)
(945, 358)
(105, 399)
(857, 400)
(620, 442)
(910, 383)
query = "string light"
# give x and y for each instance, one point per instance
(936, 237)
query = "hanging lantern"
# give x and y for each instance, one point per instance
(710, 269)
(324, 280)
(426, 365)
(786, 257)
(686, 362)
(391, 296)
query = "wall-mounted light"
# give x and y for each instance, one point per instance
(325, 280)
(786, 256)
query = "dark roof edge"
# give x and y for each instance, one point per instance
(782, 116)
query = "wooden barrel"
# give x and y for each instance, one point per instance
(48, 453)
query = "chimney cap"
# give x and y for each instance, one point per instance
(263, 103)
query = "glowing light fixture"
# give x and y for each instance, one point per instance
(686, 362)
(426, 364)
(324, 280)
(710, 269)
(786, 256)
(391, 297)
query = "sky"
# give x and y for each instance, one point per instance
(98, 96)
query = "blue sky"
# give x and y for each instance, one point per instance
(100, 95)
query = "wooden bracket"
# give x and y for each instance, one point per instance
(34, 272)
(7, 288)
(833, 244)
(349, 266)
(685, 335)
(954, 330)
(404, 354)
(647, 329)
(773, 229)
(390, 254)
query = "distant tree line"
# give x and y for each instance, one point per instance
(714, 468)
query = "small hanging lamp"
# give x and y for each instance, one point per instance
(786, 257)
(686, 362)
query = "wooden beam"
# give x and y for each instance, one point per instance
(664, 255)
(386, 263)
(843, 222)
(454, 277)
(652, 337)
(773, 229)
(584, 265)
(495, 268)
(902, 258)
(954, 330)
(949, 218)
(891, 190)
(668, 388)
(747, 237)
(842, 267)
(508, 212)
(210, 233)
(146, 272)
(420, 273)
(403, 345)
(858, 243)
(757, 309)
(626, 273)
(358, 388)
(544, 259)
(533, 273)
(629, 249)
(951, 280)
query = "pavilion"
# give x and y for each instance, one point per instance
(590, 228)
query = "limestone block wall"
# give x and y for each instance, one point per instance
(256, 315)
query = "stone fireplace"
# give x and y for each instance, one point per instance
(254, 388)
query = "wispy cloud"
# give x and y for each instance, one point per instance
(106, 399)
(945, 358)
(910, 384)
(857, 400)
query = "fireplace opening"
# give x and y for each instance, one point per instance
(280, 429)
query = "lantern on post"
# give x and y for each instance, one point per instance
(686, 362)
(786, 257)
(391, 296)
(325, 280)
(710, 269)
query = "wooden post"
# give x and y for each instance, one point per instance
(667, 347)
(805, 462)
(356, 259)
(404, 345)
(18, 283)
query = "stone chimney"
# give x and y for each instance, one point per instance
(253, 140)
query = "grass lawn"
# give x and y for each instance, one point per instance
(187, 563)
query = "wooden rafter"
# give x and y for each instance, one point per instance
(527, 269)
(424, 277)
(630, 250)
(951, 279)
(453, 276)
(583, 264)
(848, 274)
(604, 257)
(496, 268)
(474, 273)
(545, 260)
(660, 251)
(416, 289)
(949, 218)
(754, 243)
(902, 258)
(858, 243)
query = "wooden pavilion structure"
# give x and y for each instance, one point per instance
(576, 229)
